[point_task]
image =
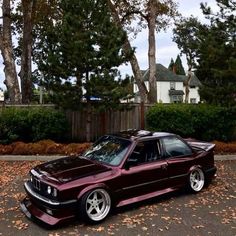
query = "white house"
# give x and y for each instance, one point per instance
(170, 87)
(1, 96)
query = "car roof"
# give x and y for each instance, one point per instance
(139, 134)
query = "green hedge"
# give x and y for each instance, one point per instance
(203, 122)
(32, 124)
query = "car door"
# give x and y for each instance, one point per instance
(179, 157)
(144, 171)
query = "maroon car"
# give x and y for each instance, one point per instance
(117, 170)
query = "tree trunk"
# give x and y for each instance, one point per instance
(187, 85)
(6, 47)
(152, 96)
(25, 74)
(88, 109)
(133, 61)
(137, 73)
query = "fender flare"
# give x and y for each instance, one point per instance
(91, 187)
(195, 167)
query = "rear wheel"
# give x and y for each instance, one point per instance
(196, 180)
(95, 205)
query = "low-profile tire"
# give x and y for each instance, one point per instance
(95, 205)
(196, 180)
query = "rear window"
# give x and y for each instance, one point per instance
(175, 147)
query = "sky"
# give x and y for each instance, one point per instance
(165, 47)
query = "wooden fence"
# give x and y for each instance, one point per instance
(88, 126)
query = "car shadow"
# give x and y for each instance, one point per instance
(165, 198)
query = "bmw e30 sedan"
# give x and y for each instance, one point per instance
(117, 170)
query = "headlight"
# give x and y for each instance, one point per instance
(54, 192)
(49, 190)
(31, 178)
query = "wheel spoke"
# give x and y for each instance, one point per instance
(90, 209)
(100, 201)
(98, 210)
(95, 196)
(90, 201)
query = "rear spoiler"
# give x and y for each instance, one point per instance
(200, 145)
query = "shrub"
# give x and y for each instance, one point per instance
(32, 124)
(197, 121)
(14, 125)
(20, 148)
(47, 124)
(170, 118)
(75, 148)
(225, 148)
(44, 147)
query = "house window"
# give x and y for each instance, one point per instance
(176, 99)
(193, 100)
(172, 85)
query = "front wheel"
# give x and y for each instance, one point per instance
(196, 180)
(95, 205)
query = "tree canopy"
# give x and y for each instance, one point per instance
(81, 53)
(210, 49)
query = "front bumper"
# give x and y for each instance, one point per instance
(37, 207)
(211, 173)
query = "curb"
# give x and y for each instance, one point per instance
(29, 157)
(225, 157)
(54, 157)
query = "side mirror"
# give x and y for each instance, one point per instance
(132, 160)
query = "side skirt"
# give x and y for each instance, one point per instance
(146, 196)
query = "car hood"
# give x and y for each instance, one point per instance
(68, 169)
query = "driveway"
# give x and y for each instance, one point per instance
(211, 212)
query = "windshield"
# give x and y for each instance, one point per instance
(109, 150)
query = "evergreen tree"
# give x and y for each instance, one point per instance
(179, 69)
(217, 55)
(212, 50)
(171, 65)
(82, 51)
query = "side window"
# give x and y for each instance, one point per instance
(176, 147)
(146, 151)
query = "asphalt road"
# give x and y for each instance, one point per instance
(210, 212)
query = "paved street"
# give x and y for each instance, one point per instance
(211, 212)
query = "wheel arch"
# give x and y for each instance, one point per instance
(92, 187)
(195, 167)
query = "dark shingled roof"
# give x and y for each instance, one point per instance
(163, 74)
(195, 81)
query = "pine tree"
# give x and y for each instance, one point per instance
(210, 49)
(217, 53)
(81, 53)
(171, 65)
(179, 69)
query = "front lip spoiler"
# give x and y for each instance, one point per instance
(38, 216)
(48, 202)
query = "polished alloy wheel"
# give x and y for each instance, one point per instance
(197, 180)
(98, 204)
